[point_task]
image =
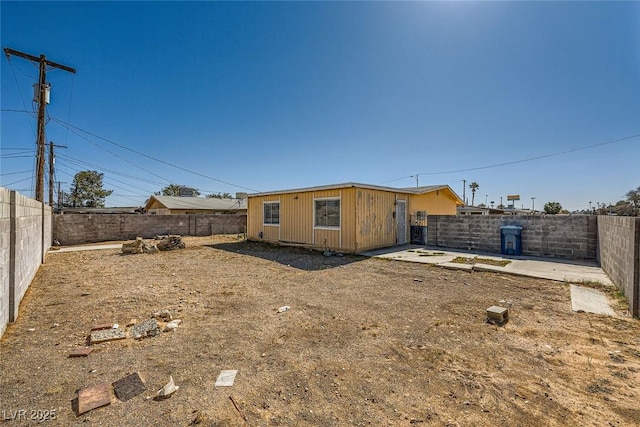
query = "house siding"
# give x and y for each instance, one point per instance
(439, 202)
(375, 218)
(367, 218)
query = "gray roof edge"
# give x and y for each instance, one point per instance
(406, 190)
(352, 185)
(178, 202)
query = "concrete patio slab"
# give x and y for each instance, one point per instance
(544, 268)
(589, 300)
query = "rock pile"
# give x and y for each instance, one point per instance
(171, 242)
(139, 246)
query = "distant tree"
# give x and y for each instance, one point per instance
(174, 190)
(633, 198)
(482, 205)
(501, 206)
(623, 208)
(87, 190)
(219, 196)
(552, 208)
(474, 187)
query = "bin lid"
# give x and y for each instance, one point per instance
(511, 227)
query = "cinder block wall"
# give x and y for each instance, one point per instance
(25, 232)
(5, 238)
(559, 236)
(73, 229)
(619, 243)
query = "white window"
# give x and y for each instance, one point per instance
(327, 213)
(271, 213)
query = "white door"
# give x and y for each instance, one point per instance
(401, 222)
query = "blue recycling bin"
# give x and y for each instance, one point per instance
(511, 240)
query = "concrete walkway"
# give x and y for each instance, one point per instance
(85, 248)
(544, 268)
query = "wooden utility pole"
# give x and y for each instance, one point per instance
(60, 195)
(52, 162)
(464, 191)
(51, 168)
(42, 80)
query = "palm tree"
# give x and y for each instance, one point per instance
(473, 186)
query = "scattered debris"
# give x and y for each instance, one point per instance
(329, 253)
(199, 418)
(172, 326)
(139, 246)
(102, 326)
(168, 243)
(148, 328)
(226, 378)
(497, 315)
(417, 280)
(31, 330)
(128, 387)
(85, 294)
(81, 352)
(163, 314)
(93, 397)
(105, 335)
(284, 308)
(168, 389)
(238, 409)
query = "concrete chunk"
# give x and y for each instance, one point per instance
(107, 335)
(148, 328)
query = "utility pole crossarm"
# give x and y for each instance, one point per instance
(8, 52)
(42, 87)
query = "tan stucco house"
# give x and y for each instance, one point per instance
(349, 217)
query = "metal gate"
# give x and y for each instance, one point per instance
(401, 222)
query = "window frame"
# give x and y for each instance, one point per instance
(315, 217)
(270, 224)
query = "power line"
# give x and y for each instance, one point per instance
(14, 173)
(111, 179)
(81, 163)
(15, 182)
(151, 157)
(13, 71)
(113, 154)
(529, 159)
(13, 156)
(7, 110)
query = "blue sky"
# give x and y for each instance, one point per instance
(245, 96)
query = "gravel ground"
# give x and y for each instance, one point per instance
(365, 342)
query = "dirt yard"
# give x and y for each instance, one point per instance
(365, 342)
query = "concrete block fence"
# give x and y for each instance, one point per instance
(25, 238)
(74, 229)
(619, 255)
(555, 236)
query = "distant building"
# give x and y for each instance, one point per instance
(481, 210)
(177, 205)
(84, 210)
